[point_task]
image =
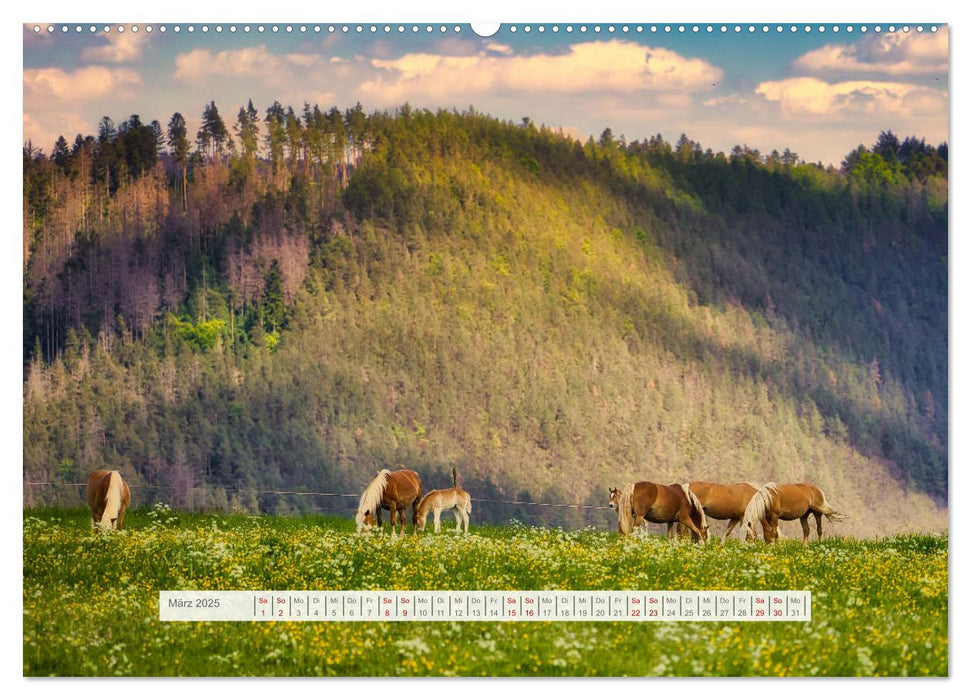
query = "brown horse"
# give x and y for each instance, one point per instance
(108, 497)
(774, 502)
(723, 501)
(658, 503)
(393, 491)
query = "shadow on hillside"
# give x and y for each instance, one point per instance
(914, 464)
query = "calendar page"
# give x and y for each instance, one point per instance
(525, 349)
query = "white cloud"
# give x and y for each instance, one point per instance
(82, 85)
(850, 92)
(121, 47)
(60, 102)
(732, 100)
(199, 65)
(257, 62)
(442, 77)
(896, 54)
(240, 74)
(43, 130)
(496, 47)
(814, 98)
(306, 60)
(588, 68)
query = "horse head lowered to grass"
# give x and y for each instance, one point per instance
(723, 501)
(393, 491)
(659, 503)
(108, 497)
(774, 502)
(456, 498)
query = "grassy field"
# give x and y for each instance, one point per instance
(880, 607)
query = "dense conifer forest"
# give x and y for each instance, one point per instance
(292, 300)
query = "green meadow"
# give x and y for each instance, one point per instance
(90, 600)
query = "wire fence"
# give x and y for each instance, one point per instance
(207, 500)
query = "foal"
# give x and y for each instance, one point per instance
(442, 499)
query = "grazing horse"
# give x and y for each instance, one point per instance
(657, 503)
(108, 497)
(774, 502)
(723, 501)
(393, 491)
(436, 501)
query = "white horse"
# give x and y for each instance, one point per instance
(455, 498)
(108, 498)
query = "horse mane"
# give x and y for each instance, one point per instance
(758, 506)
(625, 508)
(424, 505)
(455, 478)
(695, 505)
(371, 498)
(112, 499)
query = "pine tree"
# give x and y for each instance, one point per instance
(107, 159)
(158, 136)
(213, 135)
(179, 145)
(338, 133)
(61, 154)
(276, 135)
(357, 130)
(248, 131)
(274, 306)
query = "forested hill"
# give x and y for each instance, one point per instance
(302, 299)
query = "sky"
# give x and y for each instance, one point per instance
(819, 93)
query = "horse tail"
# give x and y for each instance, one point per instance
(759, 505)
(455, 478)
(697, 510)
(112, 500)
(371, 498)
(827, 510)
(625, 508)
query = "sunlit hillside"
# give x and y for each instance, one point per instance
(336, 293)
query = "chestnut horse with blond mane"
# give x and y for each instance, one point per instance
(108, 497)
(774, 502)
(723, 501)
(393, 491)
(658, 503)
